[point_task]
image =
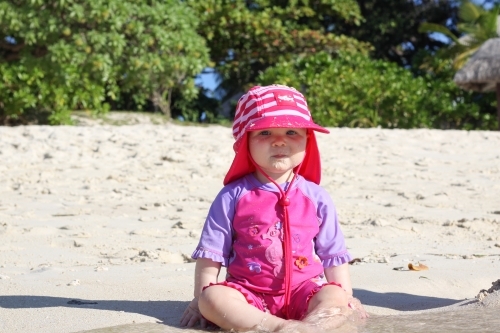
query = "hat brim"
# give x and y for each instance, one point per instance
(310, 168)
(284, 121)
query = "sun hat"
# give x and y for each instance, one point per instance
(274, 106)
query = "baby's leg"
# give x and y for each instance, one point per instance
(228, 308)
(328, 308)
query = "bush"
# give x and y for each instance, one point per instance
(57, 56)
(355, 91)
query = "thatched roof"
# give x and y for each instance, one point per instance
(482, 71)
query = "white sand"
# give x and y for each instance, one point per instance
(109, 215)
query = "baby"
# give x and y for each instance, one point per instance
(273, 227)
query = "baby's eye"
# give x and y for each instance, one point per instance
(265, 133)
(291, 132)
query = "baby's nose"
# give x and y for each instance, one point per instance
(279, 141)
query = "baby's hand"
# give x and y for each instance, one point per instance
(192, 315)
(355, 305)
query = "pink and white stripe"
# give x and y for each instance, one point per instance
(261, 102)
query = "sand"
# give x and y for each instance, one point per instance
(97, 222)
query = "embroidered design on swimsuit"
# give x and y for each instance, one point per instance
(253, 231)
(301, 262)
(254, 267)
(274, 251)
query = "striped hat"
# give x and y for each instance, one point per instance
(274, 106)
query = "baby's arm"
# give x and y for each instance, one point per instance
(206, 272)
(340, 274)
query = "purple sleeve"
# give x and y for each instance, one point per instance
(330, 243)
(216, 237)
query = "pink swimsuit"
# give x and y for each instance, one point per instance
(244, 231)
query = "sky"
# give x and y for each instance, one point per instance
(208, 81)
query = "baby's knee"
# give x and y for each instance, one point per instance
(210, 296)
(338, 293)
(330, 294)
(206, 297)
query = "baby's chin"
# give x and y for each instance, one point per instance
(281, 165)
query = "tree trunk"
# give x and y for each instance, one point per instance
(160, 102)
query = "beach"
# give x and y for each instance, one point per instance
(98, 222)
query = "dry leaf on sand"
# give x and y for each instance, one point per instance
(417, 267)
(353, 261)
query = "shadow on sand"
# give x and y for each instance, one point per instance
(402, 301)
(168, 312)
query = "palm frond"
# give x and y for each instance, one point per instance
(469, 12)
(489, 22)
(462, 58)
(433, 27)
(476, 25)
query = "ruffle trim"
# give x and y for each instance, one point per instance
(207, 254)
(337, 260)
(235, 286)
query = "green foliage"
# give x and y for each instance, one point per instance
(354, 90)
(463, 109)
(477, 25)
(246, 37)
(61, 55)
(391, 26)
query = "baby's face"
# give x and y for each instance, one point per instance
(278, 150)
